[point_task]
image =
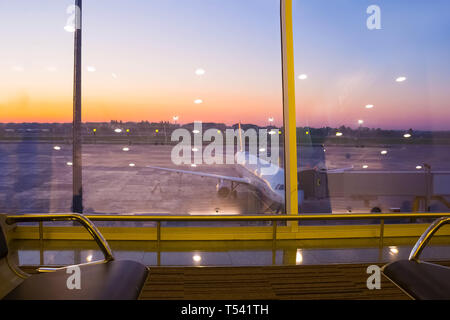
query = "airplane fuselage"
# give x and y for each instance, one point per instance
(266, 177)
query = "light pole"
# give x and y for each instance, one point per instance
(77, 184)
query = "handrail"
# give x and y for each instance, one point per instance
(83, 220)
(425, 238)
(306, 217)
(86, 220)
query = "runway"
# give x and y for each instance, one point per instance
(34, 177)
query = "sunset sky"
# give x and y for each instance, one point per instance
(140, 60)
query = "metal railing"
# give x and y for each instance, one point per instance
(426, 237)
(85, 220)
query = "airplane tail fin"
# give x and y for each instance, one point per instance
(240, 138)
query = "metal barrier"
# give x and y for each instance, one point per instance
(86, 221)
(273, 218)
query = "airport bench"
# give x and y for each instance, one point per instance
(100, 280)
(421, 280)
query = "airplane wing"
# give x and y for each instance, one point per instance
(339, 170)
(204, 174)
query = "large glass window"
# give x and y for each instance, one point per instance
(167, 84)
(36, 81)
(372, 105)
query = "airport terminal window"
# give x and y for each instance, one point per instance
(372, 105)
(36, 81)
(170, 90)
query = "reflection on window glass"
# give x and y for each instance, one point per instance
(181, 106)
(372, 105)
(36, 81)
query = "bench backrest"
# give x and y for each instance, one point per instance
(9, 278)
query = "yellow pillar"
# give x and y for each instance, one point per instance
(290, 128)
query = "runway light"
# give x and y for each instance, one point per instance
(95, 130)
(307, 132)
(219, 132)
(117, 130)
(69, 163)
(365, 166)
(198, 101)
(132, 165)
(407, 135)
(369, 106)
(339, 134)
(303, 76)
(418, 167)
(125, 149)
(197, 258)
(128, 130)
(57, 148)
(384, 152)
(279, 132)
(299, 257)
(400, 79)
(200, 72)
(156, 130)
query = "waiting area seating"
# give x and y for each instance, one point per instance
(101, 280)
(421, 280)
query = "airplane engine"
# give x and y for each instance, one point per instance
(222, 189)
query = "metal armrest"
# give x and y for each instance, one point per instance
(85, 222)
(426, 236)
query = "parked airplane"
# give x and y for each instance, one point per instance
(253, 172)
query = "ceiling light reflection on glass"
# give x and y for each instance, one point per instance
(125, 149)
(407, 135)
(303, 76)
(299, 257)
(393, 250)
(91, 69)
(401, 79)
(198, 101)
(70, 29)
(69, 163)
(132, 165)
(57, 148)
(384, 152)
(339, 134)
(117, 130)
(365, 166)
(197, 258)
(360, 122)
(200, 71)
(369, 106)
(418, 167)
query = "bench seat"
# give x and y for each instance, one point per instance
(421, 280)
(113, 280)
